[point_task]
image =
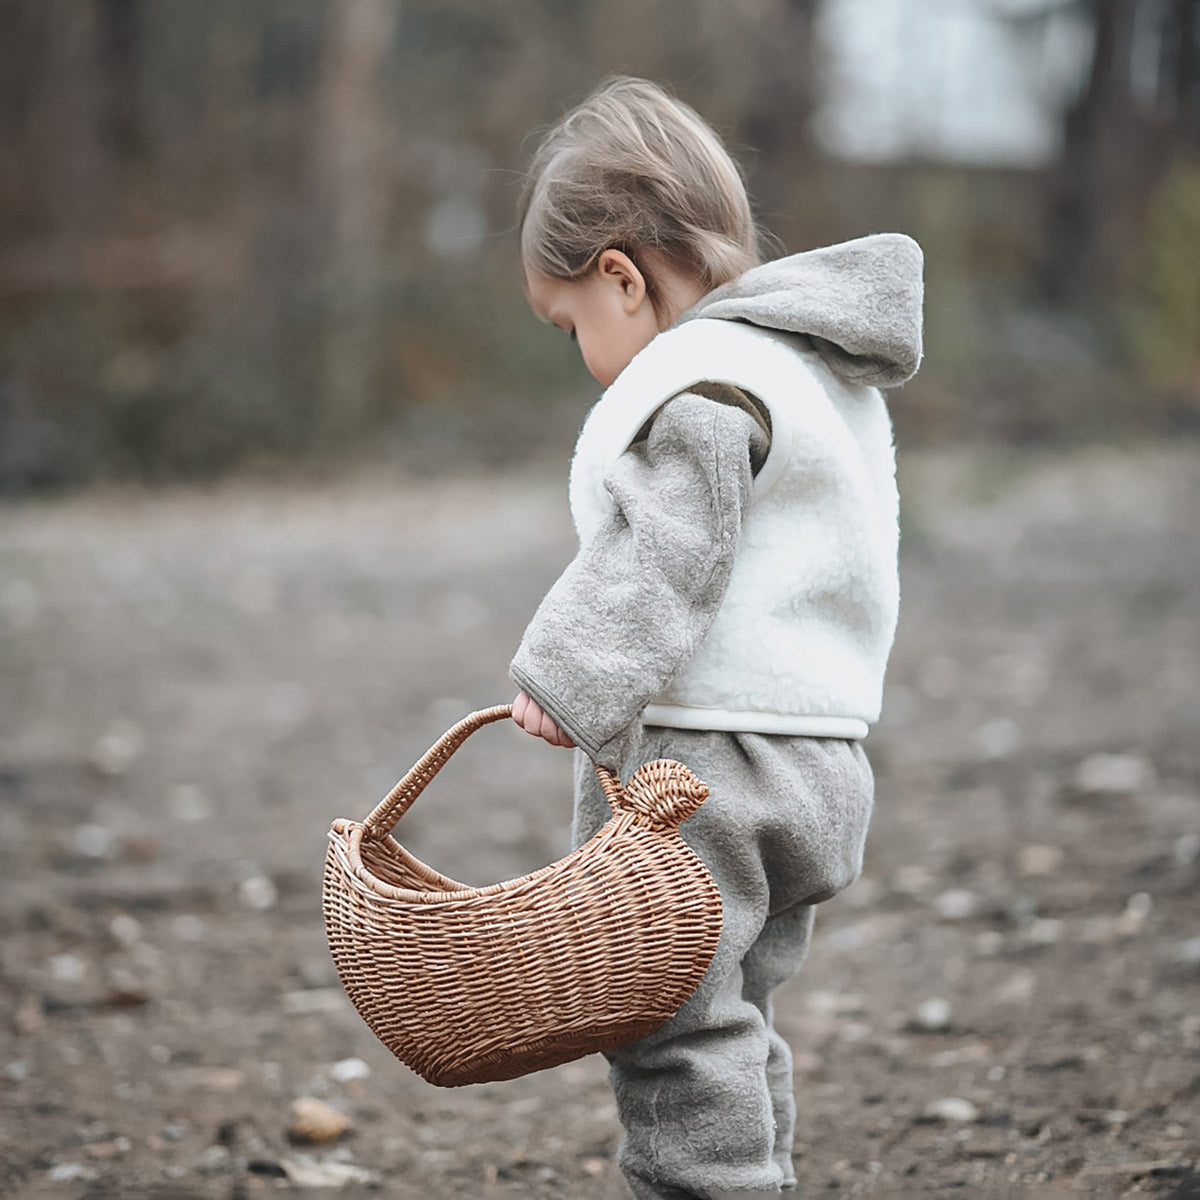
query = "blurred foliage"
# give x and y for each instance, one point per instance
(1166, 325)
(240, 235)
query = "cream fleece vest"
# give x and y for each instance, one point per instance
(802, 636)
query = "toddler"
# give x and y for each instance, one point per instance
(734, 597)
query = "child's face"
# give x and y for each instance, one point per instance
(606, 311)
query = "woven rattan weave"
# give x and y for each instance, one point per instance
(467, 985)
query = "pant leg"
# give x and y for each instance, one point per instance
(694, 1101)
(721, 1054)
(705, 1101)
(773, 959)
(693, 1097)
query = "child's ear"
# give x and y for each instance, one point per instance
(618, 269)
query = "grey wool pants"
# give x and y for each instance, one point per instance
(706, 1101)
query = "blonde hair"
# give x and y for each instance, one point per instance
(636, 170)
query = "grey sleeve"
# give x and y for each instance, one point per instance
(637, 599)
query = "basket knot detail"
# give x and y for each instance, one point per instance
(665, 791)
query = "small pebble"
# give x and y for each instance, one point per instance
(126, 929)
(140, 848)
(1133, 920)
(953, 1108)
(957, 904)
(94, 841)
(188, 928)
(1186, 952)
(125, 989)
(67, 968)
(118, 749)
(313, 1122)
(1045, 931)
(266, 1166)
(213, 1156)
(349, 1069)
(115, 1148)
(16, 1071)
(933, 1014)
(212, 1079)
(305, 1172)
(70, 1173)
(1015, 990)
(1039, 861)
(1112, 774)
(1186, 849)
(998, 738)
(258, 893)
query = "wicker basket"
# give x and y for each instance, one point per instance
(468, 985)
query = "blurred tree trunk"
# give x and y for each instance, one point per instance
(776, 121)
(349, 181)
(120, 49)
(1186, 39)
(63, 133)
(1118, 146)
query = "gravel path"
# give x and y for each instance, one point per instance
(194, 683)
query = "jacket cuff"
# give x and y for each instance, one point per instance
(563, 717)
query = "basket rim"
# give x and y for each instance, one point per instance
(346, 837)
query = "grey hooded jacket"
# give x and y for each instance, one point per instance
(639, 596)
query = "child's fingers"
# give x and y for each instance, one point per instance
(561, 737)
(530, 717)
(528, 714)
(548, 730)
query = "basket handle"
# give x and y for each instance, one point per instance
(397, 802)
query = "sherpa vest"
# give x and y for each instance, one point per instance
(801, 638)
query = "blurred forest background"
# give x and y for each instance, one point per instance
(237, 236)
(271, 244)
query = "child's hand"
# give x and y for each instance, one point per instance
(532, 719)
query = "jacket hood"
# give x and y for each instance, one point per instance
(858, 302)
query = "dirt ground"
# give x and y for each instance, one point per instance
(194, 683)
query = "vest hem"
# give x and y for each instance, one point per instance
(728, 720)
